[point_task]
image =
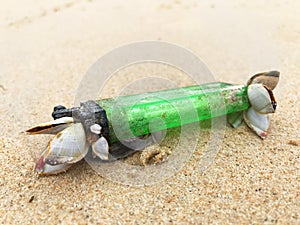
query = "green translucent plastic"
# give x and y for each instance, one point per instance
(140, 114)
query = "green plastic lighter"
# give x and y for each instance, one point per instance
(112, 127)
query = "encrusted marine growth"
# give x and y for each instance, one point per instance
(90, 126)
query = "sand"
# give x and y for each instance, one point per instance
(47, 47)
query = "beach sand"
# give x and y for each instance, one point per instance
(47, 47)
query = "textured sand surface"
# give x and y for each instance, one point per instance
(46, 47)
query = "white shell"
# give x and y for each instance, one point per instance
(259, 123)
(270, 79)
(235, 119)
(68, 146)
(52, 127)
(43, 168)
(50, 170)
(96, 129)
(260, 99)
(100, 148)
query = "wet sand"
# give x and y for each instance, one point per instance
(46, 48)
